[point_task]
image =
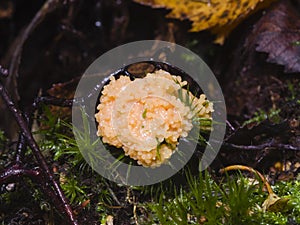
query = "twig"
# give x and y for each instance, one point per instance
(37, 153)
(13, 57)
(229, 125)
(112, 193)
(48, 7)
(21, 147)
(52, 101)
(17, 171)
(260, 147)
(3, 71)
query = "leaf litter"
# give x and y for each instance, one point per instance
(277, 33)
(218, 16)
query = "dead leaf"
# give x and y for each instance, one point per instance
(277, 33)
(219, 16)
(64, 90)
(6, 9)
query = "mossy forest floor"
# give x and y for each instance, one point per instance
(263, 117)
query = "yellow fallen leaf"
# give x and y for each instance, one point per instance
(219, 16)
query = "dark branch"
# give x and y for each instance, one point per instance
(16, 171)
(52, 101)
(260, 147)
(21, 148)
(36, 152)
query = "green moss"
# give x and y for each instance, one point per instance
(201, 200)
(261, 115)
(234, 201)
(3, 142)
(73, 190)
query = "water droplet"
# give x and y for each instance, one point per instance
(98, 24)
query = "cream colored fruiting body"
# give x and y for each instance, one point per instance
(146, 117)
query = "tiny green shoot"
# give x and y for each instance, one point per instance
(144, 115)
(261, 115)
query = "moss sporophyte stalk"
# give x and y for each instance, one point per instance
(146, 117)
(273, 203)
